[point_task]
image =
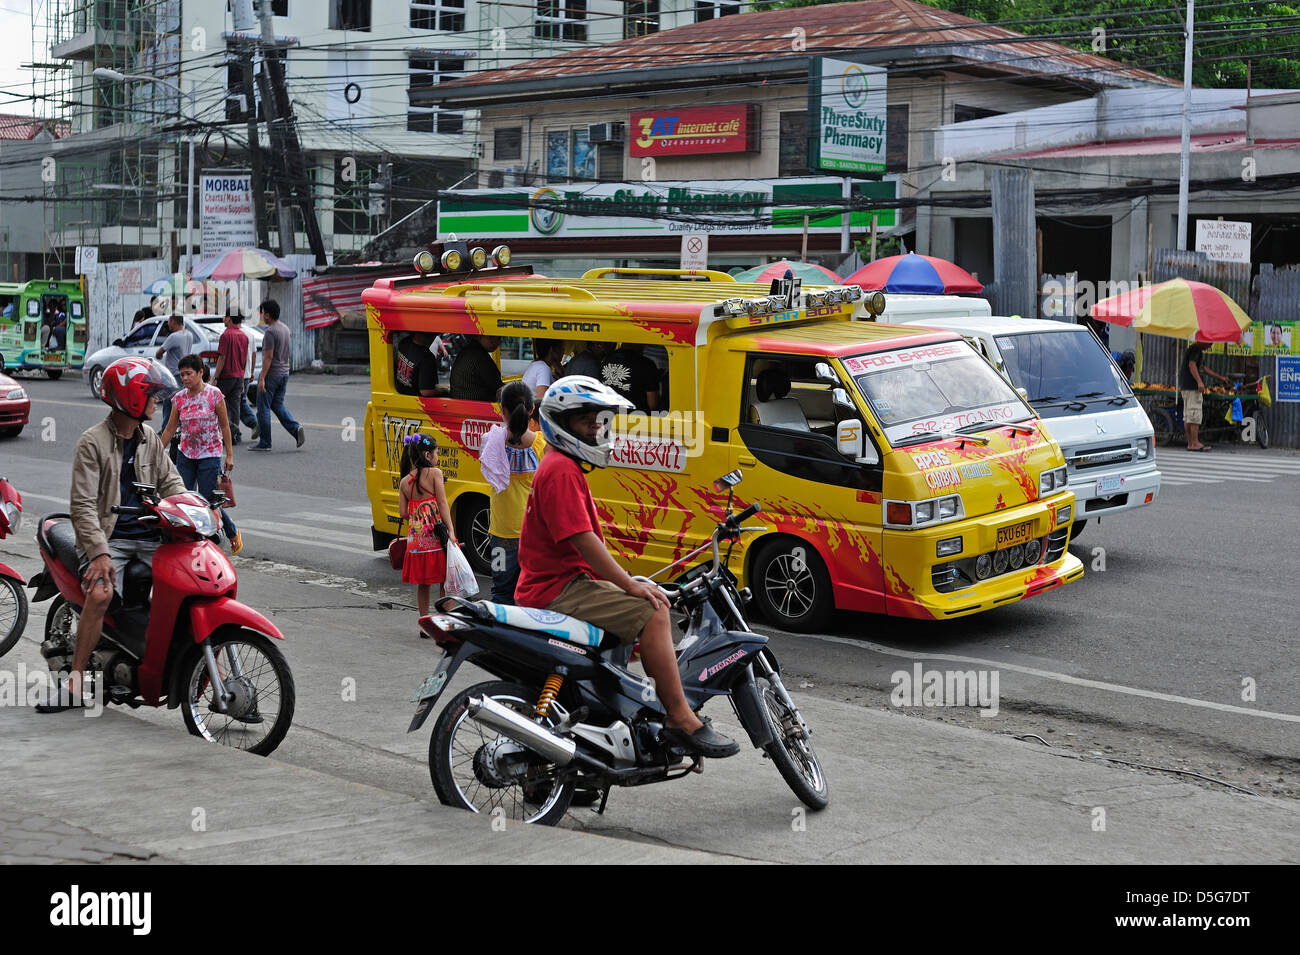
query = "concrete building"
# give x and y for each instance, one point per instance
(583, 120)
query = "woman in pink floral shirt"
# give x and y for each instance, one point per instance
(199, 412)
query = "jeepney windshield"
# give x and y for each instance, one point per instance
(919, 392)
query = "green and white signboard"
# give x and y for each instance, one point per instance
(847, 116)
(717, 207)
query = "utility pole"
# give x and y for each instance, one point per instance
(255, 151)
(275, 80)
(1185, 155)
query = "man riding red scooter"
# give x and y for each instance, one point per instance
(153, 583)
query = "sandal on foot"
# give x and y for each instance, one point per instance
(705, 741)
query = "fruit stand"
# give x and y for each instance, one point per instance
(1163, 406)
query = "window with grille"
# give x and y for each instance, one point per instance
(561, 20)
(350, 15)
(425, 73)
(712, 9)
(897, 128)
(507, 143)
(445, 15)
(794, 144)
(640, 17)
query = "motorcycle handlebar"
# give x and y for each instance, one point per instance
(119, 509)
(749, 512)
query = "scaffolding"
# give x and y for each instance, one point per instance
(111, 181)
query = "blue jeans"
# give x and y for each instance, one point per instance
(505, 580)
(237, 407)
(272, 399)
(201, 475)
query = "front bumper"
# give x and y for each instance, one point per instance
(1133, 492)
(14, 412)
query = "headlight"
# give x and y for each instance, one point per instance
(451, 261)
(201, 517)
(925, 512)
(13, 515)
(1053, 480)
(946, 548)
(1033, 550)
(478, 257)
(1143, 448)
(1016, 554)
(983, 566)
(16, 394)
(999, 561)
(501, 255)
(949, 507)
(1045, 483)
(1064, 514)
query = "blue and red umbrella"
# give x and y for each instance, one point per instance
(244, 263)
(915, 273)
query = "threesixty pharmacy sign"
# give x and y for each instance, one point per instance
(847, 116)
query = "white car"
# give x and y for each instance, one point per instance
(146, 338)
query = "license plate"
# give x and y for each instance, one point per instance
(1015, 534)
(1112, 484)
(434, 682)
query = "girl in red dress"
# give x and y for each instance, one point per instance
(423, 504)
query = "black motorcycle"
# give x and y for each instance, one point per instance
(568, 719)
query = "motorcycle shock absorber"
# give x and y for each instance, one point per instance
(549, 692)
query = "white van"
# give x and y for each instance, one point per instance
(1084, 399)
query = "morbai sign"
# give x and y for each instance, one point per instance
(847, 116)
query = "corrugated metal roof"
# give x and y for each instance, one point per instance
(1159, 145)
(843, 28)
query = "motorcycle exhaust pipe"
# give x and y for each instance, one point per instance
(522, 730)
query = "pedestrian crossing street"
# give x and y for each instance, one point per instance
(1179, 466)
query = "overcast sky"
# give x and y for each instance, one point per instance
(16, 48)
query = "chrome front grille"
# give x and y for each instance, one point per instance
(1101, 456)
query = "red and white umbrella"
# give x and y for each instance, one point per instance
(243, 263)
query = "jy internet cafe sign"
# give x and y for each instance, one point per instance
(847, 116)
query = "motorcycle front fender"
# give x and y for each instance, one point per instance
(208, 614)
(7, 571)
(750, 710)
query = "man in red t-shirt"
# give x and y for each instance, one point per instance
(565, 567)
(231, 371)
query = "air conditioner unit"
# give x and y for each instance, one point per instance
(496, 179)
(599, 134)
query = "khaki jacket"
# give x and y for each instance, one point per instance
(97, 480)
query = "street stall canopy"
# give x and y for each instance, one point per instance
(807, 271)
(915, 273)
(1177, 308)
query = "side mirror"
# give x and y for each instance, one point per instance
(851, 440)
(824, 372)
(120, 342)
(730, 479)
(1023, 393)
(841, 397)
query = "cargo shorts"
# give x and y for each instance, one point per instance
(606, 605)
(1193, 402)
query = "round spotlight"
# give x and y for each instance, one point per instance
(983, 566)
(877, 302)
(501, 255)
(1000, 562)
(478, 257)
(1016, 553)
(451, 260)
(1033, 550)
(425, 262)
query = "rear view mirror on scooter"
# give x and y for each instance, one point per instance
(730, 479)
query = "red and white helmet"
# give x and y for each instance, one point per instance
(128, 384)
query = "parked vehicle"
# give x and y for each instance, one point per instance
(902, 475)
(42, 326)
(15, 407)
(176, 636)
(13, 598)
(146, 338)
(1074, 385)
(567, 714)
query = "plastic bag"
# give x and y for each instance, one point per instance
(460, 581)
(1234, 411)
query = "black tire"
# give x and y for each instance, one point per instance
(459, 751)
(1261, 428)
(13, 613)
(1077, 528)
(473, 513)
(268, 678)
(791, 752)
(791, 586)
(95, 376)
(1163, 423)
(54, 374)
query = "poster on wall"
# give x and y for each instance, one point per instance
(1263, 338)
(847, 116)
(225, 211)
(1288, 378)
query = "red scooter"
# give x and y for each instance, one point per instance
(13, 598)
(190, 643)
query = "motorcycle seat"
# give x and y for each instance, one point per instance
(548, 622)
(57, 536)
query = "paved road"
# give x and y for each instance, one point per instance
(1187, 610)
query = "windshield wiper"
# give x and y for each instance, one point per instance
(950, 435)
(1022, 428)
(1054, 402)
(1091, 394)
(1044, 398)
(1122, 399)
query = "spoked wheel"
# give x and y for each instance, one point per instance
(1261, 427)
(255, 672)
(792, 751)
(473, 517)
(476, 768)
(61, 624)
(13, 613)
(1162, 422)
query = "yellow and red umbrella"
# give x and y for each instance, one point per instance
(1177, 308)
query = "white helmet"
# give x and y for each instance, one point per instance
(574, 394)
